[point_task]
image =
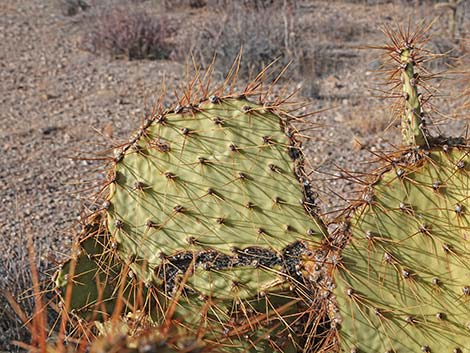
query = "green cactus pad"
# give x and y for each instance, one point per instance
(411, 122)
(220, 177)
(264, 323)
(404, 281)
(93, 272)
(215, 197)
(96, 276)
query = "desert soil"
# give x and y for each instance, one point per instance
(59, 103)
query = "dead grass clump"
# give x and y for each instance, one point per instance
(251, 4)
(281, 31)
(133, 33)
(173, 4)
(262, 35)
(195, 4)
(73, 7)
(258, 33)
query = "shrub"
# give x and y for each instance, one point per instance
(264, 31)
(172, 4)
(73, 7)
(252, 4)
(128, 32)
(263, 36)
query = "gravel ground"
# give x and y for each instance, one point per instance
(59, 102)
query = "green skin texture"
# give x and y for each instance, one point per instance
(92, 274)
(412, 133)
(99, 277)
(377, 283)
(160, 195)
(267, 224)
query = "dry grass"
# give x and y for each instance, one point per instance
(73, 7)
(262, 35)
(133, 33)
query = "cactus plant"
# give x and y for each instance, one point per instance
(209, 201)
(209, 206)
(403, 284)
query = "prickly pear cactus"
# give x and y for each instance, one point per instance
(209, 203)
(210, 219)
(213, 197)
(403, 284)
(405, 281)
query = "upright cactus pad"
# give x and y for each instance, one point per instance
(216, 185)
(95, 277)
(411, 121)
(404, 284)
(214, 196)
(210, 203)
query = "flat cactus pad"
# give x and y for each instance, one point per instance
(404, 283)
(216, 187)
(94, 276)
(213, 199)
